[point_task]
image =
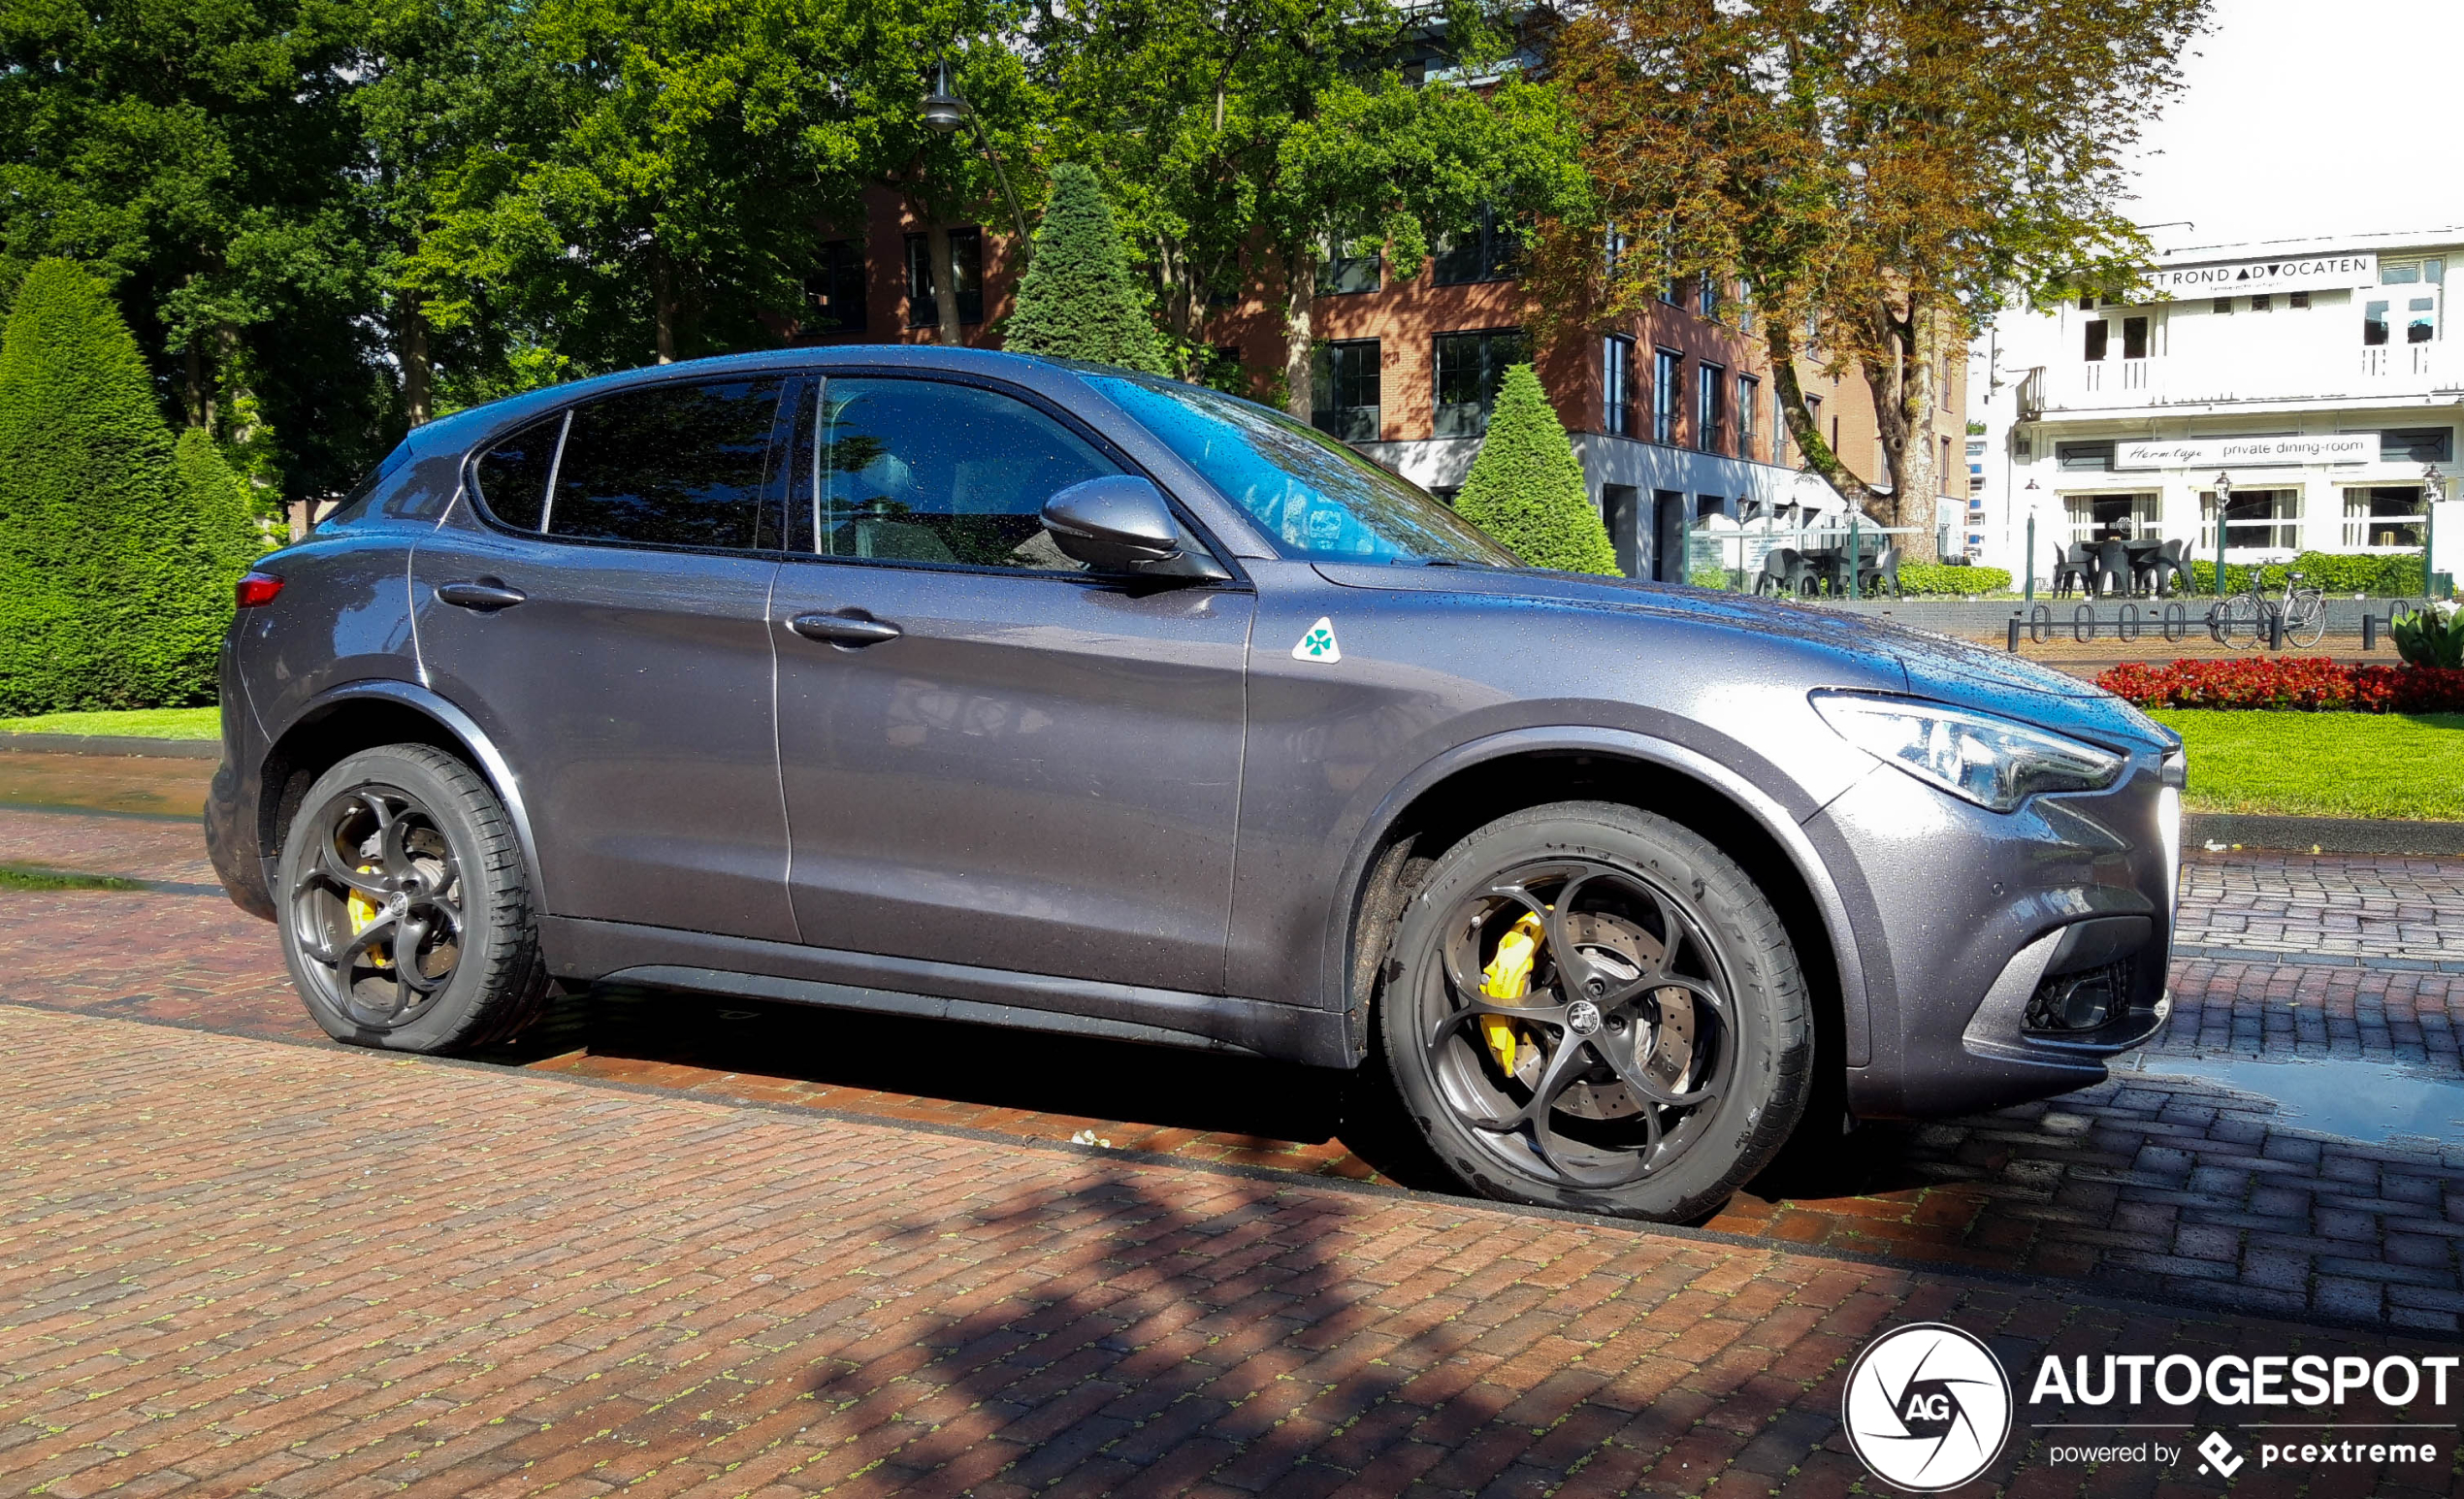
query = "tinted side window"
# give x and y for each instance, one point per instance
(672, 466)
(514, 474)
(915, 471)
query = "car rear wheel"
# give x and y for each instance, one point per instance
(1592, 1007)
(407, 919)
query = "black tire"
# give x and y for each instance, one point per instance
(433, 857)
(1717, 1023)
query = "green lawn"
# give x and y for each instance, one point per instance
(136, 723)
(2323, 764)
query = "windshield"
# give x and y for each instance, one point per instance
(1313, 496)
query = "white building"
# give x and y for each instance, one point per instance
(2316, 379)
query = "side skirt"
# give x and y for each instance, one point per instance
(705, 962)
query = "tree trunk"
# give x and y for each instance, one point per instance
(192, 397)
(1807, 434)
(1300, 290)
(418, 377)
(1905, 390)
(662, 297)
(945, 285)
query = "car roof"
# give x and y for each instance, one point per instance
(1060, 379)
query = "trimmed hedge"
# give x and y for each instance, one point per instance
(1078, 299)
(2298, 683)
(1526, 488)
(2332, 572)
(1937, 579)
(115, 565)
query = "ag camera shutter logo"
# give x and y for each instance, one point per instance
(1927, 1407)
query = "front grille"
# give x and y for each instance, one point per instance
(2069, 1004)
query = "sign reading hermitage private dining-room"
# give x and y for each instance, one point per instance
(2246, 452)
(2234, 278)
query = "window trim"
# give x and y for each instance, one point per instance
(1511, 330)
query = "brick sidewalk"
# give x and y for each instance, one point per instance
(229, 1265)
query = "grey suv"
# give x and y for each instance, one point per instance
(999, 690)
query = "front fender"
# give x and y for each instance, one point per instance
(1766, 812)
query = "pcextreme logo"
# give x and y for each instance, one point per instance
(1927, 1407)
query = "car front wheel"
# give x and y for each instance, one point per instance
(1591, 1007)
(407, 919)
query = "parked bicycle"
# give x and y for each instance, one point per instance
(2242, 618)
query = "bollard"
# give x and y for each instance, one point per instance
(2369, 632)
(2274, 632)
(2013, 643)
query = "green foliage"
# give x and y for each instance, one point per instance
(2323, 764)
(2432, 637)
(1934, 579)
(1526, 488)
(2378, 575)
(109, 592)
(136, 723)
(1079, 300)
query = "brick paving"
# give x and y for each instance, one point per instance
(233, 1266)
(2157, 1184)
(2383, 910)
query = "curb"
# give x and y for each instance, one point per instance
(2328, 834)
(110, 744)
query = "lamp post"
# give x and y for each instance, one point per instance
(2028, 571)
(2433, 490)
(945, 109)
(2224, 499)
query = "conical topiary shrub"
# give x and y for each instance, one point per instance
(1078, 299)
(224, 533)
(1526, 487)
(107, 595)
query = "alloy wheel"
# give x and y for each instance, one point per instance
(377, 909)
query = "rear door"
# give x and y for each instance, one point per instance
(599, 604)
(990, 757)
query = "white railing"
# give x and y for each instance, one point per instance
(2386, 369)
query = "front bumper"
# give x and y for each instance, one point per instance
(2005, 955)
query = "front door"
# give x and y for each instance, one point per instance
(1667, 536)
(989, 757)
(610, 635)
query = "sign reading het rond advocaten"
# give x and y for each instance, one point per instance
(2234, 278)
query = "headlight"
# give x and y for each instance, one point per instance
(1992, 762)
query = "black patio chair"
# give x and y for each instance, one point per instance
(2113, 564)
(1884, 568)
(1783, 571)
(2070, 568)
(2171, 563)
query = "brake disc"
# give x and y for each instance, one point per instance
(1664, 1042)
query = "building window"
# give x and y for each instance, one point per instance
(1670, 291)
(1943, 479)
(2383, 515)
(2255, 519)
(1667, 391)
(2373, 324)
(2134, 341)
(1344, 392)
(1707, 297)
(2096, 518)
(2223, 304)
(2298, 300)
(1745, 306)
(2084, 455)
(2416, 444)
(1618, 385)
(2421, 319)
(1710, 409)
(1341, 275)
(2099, 335)
(967, 271)
(1487, 252)
(1749, 404)
(1470, 368)
(835, 290)
(2262, 303)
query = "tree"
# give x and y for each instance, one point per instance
(1526, 488)
(1246, 140)
(109, 594)
(1079, 299)
(1881, 172)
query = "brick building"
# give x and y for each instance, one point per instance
(1674, 414)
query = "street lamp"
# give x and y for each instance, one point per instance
(2224, 499)
(2027, 591)
(945, 109)
(2433, 490)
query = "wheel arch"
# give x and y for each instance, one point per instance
(362, 715)
(1479, 782)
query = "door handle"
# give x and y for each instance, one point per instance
(844, 628)
(487, 595)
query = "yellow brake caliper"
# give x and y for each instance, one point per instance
(1505, 980)
(363, 912)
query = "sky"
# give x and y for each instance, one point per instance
(2310, 118)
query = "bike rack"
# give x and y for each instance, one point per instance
(2127, 624)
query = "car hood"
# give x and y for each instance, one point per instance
(1935, 665)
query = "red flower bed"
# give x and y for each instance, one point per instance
(2301, 683)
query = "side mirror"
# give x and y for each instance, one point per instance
(1120, 524)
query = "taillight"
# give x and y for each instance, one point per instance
(258, 588)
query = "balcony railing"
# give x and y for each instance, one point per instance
(2387, 370)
